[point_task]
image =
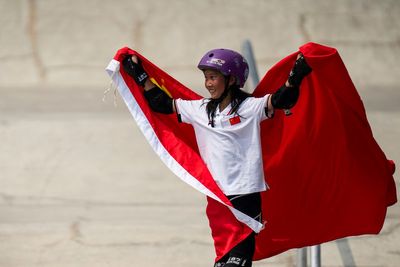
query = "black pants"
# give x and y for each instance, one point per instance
(242, 253)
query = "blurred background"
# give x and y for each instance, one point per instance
(79, 185)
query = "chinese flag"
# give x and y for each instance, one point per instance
(328, 177)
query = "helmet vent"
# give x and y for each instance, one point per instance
(211, 55)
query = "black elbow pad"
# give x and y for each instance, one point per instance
(285, 97)
(158, 100)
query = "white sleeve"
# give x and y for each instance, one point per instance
(186, 109)
(259, 107)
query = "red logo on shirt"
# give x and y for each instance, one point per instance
(234, 120)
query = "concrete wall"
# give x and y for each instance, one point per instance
(64, 43)
(79, 185)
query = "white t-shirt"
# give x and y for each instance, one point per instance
(232, 148)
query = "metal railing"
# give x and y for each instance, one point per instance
(302, 253)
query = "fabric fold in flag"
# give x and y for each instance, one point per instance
(328, 177)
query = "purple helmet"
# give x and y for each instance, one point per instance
(228, 62)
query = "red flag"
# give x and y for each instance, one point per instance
(234, 120)
(328, 176)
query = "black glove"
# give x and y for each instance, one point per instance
(135, 70)
(300, 70)
(286, 96)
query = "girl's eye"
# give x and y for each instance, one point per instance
(211, 77)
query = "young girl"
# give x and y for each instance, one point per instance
(227, 129)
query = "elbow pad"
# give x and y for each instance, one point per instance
(285, 97)
(159, 101)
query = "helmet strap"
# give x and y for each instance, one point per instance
(226, 91)
(213, 104)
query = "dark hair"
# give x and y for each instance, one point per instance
(237, 97)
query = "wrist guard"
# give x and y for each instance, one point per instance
(135, 70)
(159, 101)
(285, 97)
(298, 72)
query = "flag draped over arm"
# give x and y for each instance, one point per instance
(328, 176)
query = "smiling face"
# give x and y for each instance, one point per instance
(215, 83)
